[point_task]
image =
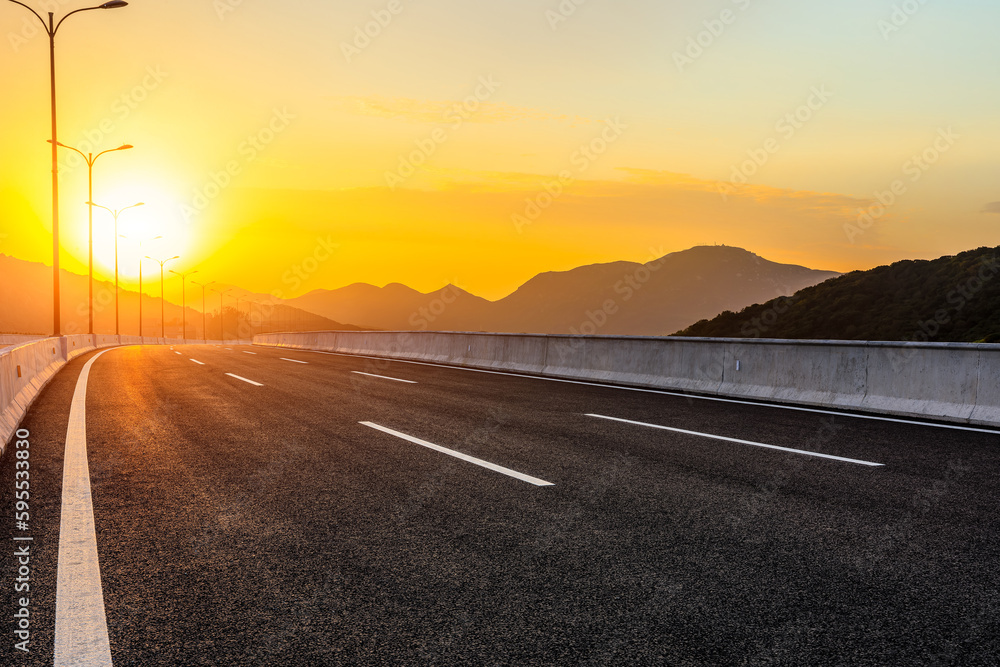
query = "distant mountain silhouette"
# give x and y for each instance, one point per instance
(621, 298)
(398, 307)
(26, 295)
(950, 299)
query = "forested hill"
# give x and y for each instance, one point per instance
(951, 299)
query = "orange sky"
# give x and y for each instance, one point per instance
(481, 144)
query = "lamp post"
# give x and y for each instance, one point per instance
(51, 28)
(184, 276)
(204, 325)
(161, 262)
(222, 328)
(153, 238)
(90, 158)
(237, 319)
(116, 214)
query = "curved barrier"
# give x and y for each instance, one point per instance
(954, 382)
(13, 340)
(25, 369)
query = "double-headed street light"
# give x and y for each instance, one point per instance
(116, 214)
(260, 313)
(204, 321)
(222, 320)
(161, 262)
(90, 158)
(51, 28)
(140, 241)
(237, 319)
(250, 304)
(184, 276)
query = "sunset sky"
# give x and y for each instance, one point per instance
(266, 132)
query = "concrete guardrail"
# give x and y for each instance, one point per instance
(25, 369)
(952, 382)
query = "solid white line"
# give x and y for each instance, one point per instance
(383, 377)
(294, 361)
(458, 455)
(81, 631)
(742, 442)
(256, 384)
(664, 392)
(200, 363)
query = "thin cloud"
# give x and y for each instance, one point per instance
(438, 111)
(762, 194)
(992, 207)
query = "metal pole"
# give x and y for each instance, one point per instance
(56, 318)
(162, 323)
(184, 298)
(184, 319)
(90, 236)
(117, 332)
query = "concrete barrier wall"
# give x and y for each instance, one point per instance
(25, 369)
(12, 340)
(948, 381)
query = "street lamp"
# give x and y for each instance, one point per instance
(140, 241)
(204, 324)
(184, 276)
(90, 158)
(237, 319)
(116, 214)
(222, 328)
(51, 28)
(161, 262)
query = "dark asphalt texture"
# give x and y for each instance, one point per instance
(243, 525)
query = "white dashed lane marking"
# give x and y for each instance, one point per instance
(458, 455)
(383, 377)
(243, 379)
(741, 442)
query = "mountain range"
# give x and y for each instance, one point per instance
(26, 298)
(617, 298)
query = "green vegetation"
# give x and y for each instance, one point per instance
(951, 299)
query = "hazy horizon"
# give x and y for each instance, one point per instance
(482, 145)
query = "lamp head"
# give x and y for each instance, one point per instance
(114, 5)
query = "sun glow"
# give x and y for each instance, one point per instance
(152, 229)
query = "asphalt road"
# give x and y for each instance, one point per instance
(287, 522)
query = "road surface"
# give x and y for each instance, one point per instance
(257, 506)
